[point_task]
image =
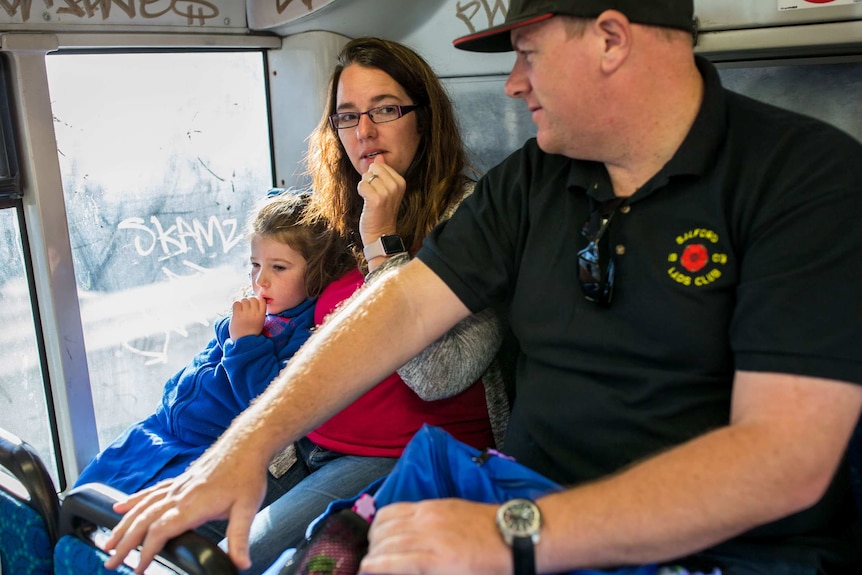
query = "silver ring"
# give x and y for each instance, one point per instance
(371, 179)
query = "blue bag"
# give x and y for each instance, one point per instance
(434, 465)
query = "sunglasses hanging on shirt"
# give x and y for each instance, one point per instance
(595, 262)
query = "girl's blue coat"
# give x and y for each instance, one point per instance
(200, 401)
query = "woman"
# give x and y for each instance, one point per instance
(387, 163)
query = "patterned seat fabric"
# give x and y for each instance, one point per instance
(25, 547)
(855, 456)
(72, 556)
(854, 459)
(28, 516)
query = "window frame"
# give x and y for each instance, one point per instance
(44, 226)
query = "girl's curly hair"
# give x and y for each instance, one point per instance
(282, 217)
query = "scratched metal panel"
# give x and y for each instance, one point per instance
(267, 14)
(732, 14)
(429, 26)
(453, 19)
(830, 92)
(494, 125)
(188, 15)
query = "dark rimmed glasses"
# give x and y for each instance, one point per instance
(378, 115)
(595, 262)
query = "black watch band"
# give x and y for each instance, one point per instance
(523, 556)
(520, 521)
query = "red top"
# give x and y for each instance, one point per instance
(381, 422)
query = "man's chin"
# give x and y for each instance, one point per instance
(547, 143)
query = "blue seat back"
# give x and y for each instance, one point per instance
(854, 463)
(29, 510)
(87, 515)
(854, 459)
(72, 555)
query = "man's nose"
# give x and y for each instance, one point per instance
(516, 84)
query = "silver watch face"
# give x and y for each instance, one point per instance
(519, 518)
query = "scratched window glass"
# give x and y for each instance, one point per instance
(162, 157)
(22, 395)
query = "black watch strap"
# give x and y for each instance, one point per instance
(523, 555)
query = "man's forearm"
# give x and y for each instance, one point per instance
(754, 471)
(357, 347)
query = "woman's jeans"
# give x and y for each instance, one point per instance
(318, 477)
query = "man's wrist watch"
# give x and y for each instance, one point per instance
(384, 246)
(519, 522)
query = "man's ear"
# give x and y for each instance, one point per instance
(616, 31)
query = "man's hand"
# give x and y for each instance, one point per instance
(247, 317)
(212, 488)
(437, 537)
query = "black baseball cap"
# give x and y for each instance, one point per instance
(667, 13)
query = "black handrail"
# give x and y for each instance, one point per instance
(90, 506)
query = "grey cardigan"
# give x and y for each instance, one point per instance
(454, 362)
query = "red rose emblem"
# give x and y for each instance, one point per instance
(694, 257)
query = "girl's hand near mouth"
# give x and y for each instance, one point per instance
(247, 317)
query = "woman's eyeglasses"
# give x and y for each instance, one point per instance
(379, 115)
(595, 262)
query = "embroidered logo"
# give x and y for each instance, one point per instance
(696, 261)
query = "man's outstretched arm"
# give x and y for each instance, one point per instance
(356, 348)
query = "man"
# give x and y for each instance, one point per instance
(680, 266)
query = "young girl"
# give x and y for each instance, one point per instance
(291, 263)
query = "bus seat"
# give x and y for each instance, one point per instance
(29, 509)
(86, 518)
(854, 461)
(854, 458)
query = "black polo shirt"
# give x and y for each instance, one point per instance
(743, 253)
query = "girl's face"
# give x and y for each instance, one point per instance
(361, 88)
(277, 274)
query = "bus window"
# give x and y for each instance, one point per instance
(23, 401)
(162, 156)
(24, 395)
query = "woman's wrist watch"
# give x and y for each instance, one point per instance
(519, 522)
(384, 246)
